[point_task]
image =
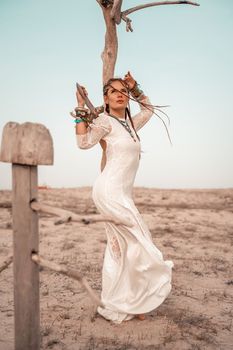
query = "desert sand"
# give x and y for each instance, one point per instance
(194, 228)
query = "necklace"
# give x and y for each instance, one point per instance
(125, 125)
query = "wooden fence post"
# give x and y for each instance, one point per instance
(26, 146)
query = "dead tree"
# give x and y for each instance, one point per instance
(113, 15)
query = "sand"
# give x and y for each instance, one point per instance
(194, 228)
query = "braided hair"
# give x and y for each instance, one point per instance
(154, 109)
(127, 110)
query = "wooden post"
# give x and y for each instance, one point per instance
(26, 273)
(26, 146)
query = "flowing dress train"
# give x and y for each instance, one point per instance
(135, 277)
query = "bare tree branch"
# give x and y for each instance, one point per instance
(109, 55)
(67, 215)
(68, 272)
(139, 7)
(116, 11)
(6, 262)
(128, 22)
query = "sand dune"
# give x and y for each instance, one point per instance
(194, 228)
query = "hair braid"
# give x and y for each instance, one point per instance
(127, 112)
(150, 107)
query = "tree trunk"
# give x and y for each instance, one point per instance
(109, 55)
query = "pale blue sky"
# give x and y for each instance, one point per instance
(181, 55)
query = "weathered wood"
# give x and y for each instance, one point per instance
(68, 272)
(67, 215)
(112, 16)
(6, 262)
(109, 55)
(27, 143)
(128, 21)
(9, 139)
(116, 11)
(26, 273)
(5, 204)
(152, 4)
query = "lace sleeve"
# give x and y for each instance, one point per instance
(99, 128)
(144, 115)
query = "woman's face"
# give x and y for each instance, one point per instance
(115, 97)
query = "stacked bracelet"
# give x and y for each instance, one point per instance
(136, 91)
(78, 120)
(82, 114)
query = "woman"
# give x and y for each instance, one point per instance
(135, 278)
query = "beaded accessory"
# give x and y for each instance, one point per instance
(79, 120)
(125, 125)
(85, 114)
(82, 112)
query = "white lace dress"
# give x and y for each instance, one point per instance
(135, 277)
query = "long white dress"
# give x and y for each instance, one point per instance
(135, 277)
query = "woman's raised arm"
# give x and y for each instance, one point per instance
(95, 131)
(88, 135)
(141, 118)
(144, 116)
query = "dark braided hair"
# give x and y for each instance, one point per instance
(150, 107)
(127, 110)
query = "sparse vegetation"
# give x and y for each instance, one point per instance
(197, 315)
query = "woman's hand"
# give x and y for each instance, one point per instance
(129, 80)
(80, 99)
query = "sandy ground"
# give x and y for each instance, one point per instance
(194, 228)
